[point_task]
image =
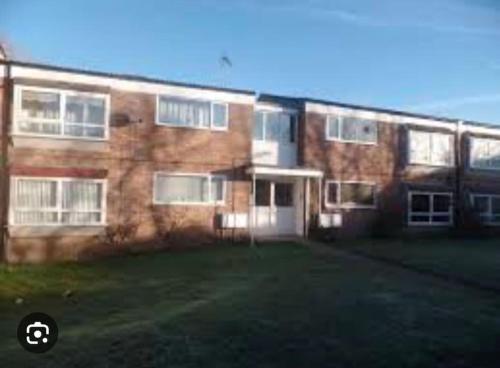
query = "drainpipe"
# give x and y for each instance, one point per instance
(459, 205)
(5, 141)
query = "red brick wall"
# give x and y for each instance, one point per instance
(136, 149)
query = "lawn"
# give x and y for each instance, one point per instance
(472, 260)
(281, 305)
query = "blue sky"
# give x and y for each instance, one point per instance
(439, 57)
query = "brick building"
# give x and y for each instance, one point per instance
(92, 162)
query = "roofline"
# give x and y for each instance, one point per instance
(303, 100)
(130, 77)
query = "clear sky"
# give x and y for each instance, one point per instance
(437, 56)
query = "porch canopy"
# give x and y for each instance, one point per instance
(297, 172)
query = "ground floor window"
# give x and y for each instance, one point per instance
(57, 201)
(487, 206)
(177, 188)
(428, 208)
(350, 194)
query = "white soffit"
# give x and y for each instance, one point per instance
(278, 171)
(131, 85)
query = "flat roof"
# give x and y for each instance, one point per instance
(131, 77)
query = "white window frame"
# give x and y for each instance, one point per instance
(339, 138)
(209, 202)
(488, 141)
(488, 215)
(431, 210)
(432, 134)
(63, 93)
(211, 125)
(59, 209)
(349, 205)
(267, 111)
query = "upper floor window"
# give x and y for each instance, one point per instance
(274, 126)
(57, 201)
(350, 194)
(430, 148)
(183, 112)
(485, 153)
(487, 207)
(350, 129)
(60, 113)
(177, 188)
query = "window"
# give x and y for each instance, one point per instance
(41, 201)
(262, 193)
(429, 148)
(283, 194)
(274, 126)
(60, 113)
(350, 194)
(485, 153)
(487, 207)
(350, 129)
(432, 209)
(189, 189)
(183, 112)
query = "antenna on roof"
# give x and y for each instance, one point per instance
(225, 64)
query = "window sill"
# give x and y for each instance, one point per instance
(209, 128)
(351, 142)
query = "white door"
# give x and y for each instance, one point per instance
(275, 208)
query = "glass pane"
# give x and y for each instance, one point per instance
(420, 218)
(349, 129)
(333, 127)
(217, 189)
(182, 112)
(36, 194)
(357, 193)
(481, 204)
(441, 149)
(420, 203)
(441, 219)
(479, 153)
(258, 126)
(495, 205)
(81, 217)
(331, 193)
(39, 127)
(81, 195)
(181, 189)
(283, 194)
(40, 105)
(35, 217)
(84, 109)
(219, 115)
(273, 127)
(286, 135)
(420, 147)
(441, 203)
(262, 193)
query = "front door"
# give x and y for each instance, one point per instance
(275, 207)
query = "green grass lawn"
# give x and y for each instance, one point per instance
(475, 260)
(277, 306)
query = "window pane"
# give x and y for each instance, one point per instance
(420, 147)
(184, 189)
(273, 127)
(349, 130)
(441, 149)
(331, 193)
(258, 127)
(286, 133)
(495, 205)
(481, 204)
(81, 195)
(332, 127)
(217, 189)
(442, 203)
(283, 194)
(420, 218)
(367, 131)
(441, 219)
(420, 203)
(36, 194)
(262, 193)
(219, 115)
(479, 153)
(40, 105)
(84, 109)
(184, 112)
(357, 193)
